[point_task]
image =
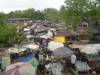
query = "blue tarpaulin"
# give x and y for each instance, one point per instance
(27, 57)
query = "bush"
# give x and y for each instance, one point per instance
(7, 35)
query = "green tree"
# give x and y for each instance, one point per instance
(39, 15)
(7, 35)
(28, 13)
(75, 11)
(77, 7)
(15, 14)
(52, 15)
(2, 18)
(63, 12)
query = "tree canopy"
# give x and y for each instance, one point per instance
(52, 15)
(7, 35)
(77, 9)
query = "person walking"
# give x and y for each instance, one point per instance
(41, 68)
(73, 61)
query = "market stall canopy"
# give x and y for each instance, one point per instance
(31, 46)
(63, 52)
(15, 50)
(91, 48)
(52, 46)
(20, 69)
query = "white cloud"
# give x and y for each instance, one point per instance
(10, 5)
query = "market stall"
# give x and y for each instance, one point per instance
(16, 53)
(92, 53)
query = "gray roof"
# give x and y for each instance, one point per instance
(63, 52)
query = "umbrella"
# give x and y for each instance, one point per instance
(62, 52)
(20, 68)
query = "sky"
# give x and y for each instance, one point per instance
(11, 5)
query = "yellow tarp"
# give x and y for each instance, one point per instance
(59, 39)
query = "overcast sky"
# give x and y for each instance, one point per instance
(11, 5)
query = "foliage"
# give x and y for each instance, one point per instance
(28, 13)
(77, 9)
(2, 18)
(7, 35)
(62, 13)
(52, 15)
(39, 15)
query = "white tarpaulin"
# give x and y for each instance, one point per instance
(90, 48)
(50, 33)
(54, 45)
(26, 29)
(31, 46)
(15, 50)
(29, 36)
